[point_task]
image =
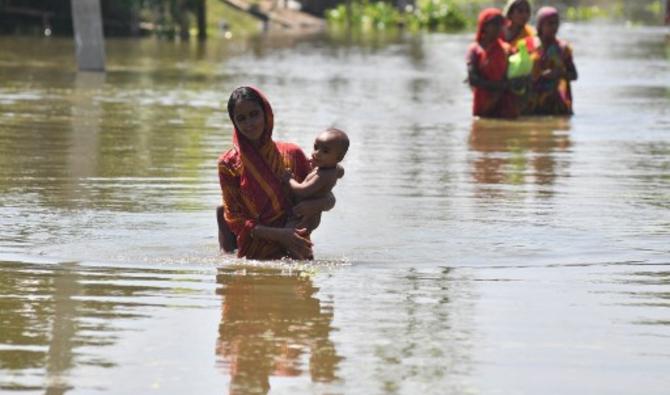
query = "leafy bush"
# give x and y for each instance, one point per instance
(433, 15)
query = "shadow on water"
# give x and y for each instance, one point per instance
(271, 322)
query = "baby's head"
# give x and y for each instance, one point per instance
(330, 146)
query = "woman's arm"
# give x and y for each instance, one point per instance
(474, 79)
(295, 241)
(570, 68)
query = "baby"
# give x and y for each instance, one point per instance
(330, 147)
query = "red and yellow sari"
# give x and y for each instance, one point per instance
(253, 192)
(551, 96)
(527, 32)
(491, 64)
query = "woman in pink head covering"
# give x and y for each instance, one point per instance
(487, 68)
(553, 68)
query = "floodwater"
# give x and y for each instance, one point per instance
(463, 256)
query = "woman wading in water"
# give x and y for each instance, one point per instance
(256, 203)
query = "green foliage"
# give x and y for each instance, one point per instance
(237, 22)
(585, 13)
(441, 15)
(432, 15)
(656, 8)
(364, 15)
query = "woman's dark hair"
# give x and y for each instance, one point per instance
(243, 93)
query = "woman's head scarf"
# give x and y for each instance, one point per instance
(487, 15)
(543, 14)
(262, 165)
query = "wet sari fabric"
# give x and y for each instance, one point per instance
(526, 34)
(551, 96)
(490, 63)
(253, 193)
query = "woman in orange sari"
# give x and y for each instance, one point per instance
(256, 203)
(487, 68)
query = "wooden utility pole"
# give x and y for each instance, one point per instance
(88, 36)
(667, 12)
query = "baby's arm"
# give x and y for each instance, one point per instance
(323, 180)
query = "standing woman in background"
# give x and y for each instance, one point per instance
(517, 28)
(553, 68)
(487, 68)
(521, 36)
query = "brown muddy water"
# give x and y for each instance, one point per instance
(462, 257)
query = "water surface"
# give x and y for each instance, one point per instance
(463, 256)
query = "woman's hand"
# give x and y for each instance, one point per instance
(296, 242)
(476, 80)
(518, 83)
(287, 175)
(553, 74)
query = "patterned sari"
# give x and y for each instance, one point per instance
(551, 96)
(491, 64)
(527, 32)
(253, 192)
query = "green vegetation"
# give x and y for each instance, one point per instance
(237, 22)
(186, 18)
(169, 17)
(454, 15)
(585, 13)
(431, 15)
(645, 11)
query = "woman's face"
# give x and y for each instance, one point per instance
(550, 27)
(249, 119)
(520, 14)
(492, 28)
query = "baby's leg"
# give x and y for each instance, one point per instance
(310, 223)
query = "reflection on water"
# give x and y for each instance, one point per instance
(525, 152)
(271, 324)
(429, 336)
(59, 318)
(649, 291)
(481, 256)
(43, 323)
